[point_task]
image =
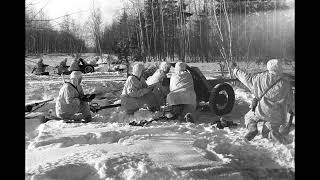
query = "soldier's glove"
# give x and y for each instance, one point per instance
(87, 97)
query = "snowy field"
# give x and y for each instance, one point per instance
(109, 148)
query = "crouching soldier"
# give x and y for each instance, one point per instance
(182, 97)
(273, 99)
(40, 68)
(136, 94)
(71, 104)
(159, 90)
(63, 68)
(75, 64)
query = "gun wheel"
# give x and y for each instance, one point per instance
(222, 99)
(88, 69)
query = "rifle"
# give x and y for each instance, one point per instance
(29, 107)
(95, 107)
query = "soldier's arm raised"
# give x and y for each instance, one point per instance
(246, 78)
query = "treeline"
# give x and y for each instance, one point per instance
(188, 30)
(196, 30)
(42, 37)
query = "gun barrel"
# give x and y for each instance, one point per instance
(110, 106)
(96, 109)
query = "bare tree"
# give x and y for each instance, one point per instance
(137, 10)
(163, 30)
(221, 39)
(96, 22)
(43, 36)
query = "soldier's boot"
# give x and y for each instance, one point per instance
(253, 131)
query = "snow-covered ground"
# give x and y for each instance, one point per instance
(109, 148)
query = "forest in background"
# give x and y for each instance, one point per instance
(187, 30)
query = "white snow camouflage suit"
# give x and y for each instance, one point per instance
(160, 91)
(68, 104)
(40, 68)
(275, 104)
(74, 65)
(62, 67)
(135, 94)
(182, 90)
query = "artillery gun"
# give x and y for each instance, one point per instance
(218, 92)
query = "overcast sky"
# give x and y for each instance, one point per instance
(57, 8)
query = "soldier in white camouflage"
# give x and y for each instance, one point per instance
(273, 107)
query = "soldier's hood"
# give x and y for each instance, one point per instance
(137, 69)
(180, 66)
(164, 66)
(274, 66)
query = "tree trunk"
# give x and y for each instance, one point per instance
(147, 36)
(154, 31)
(163, 31)
(141, 38)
